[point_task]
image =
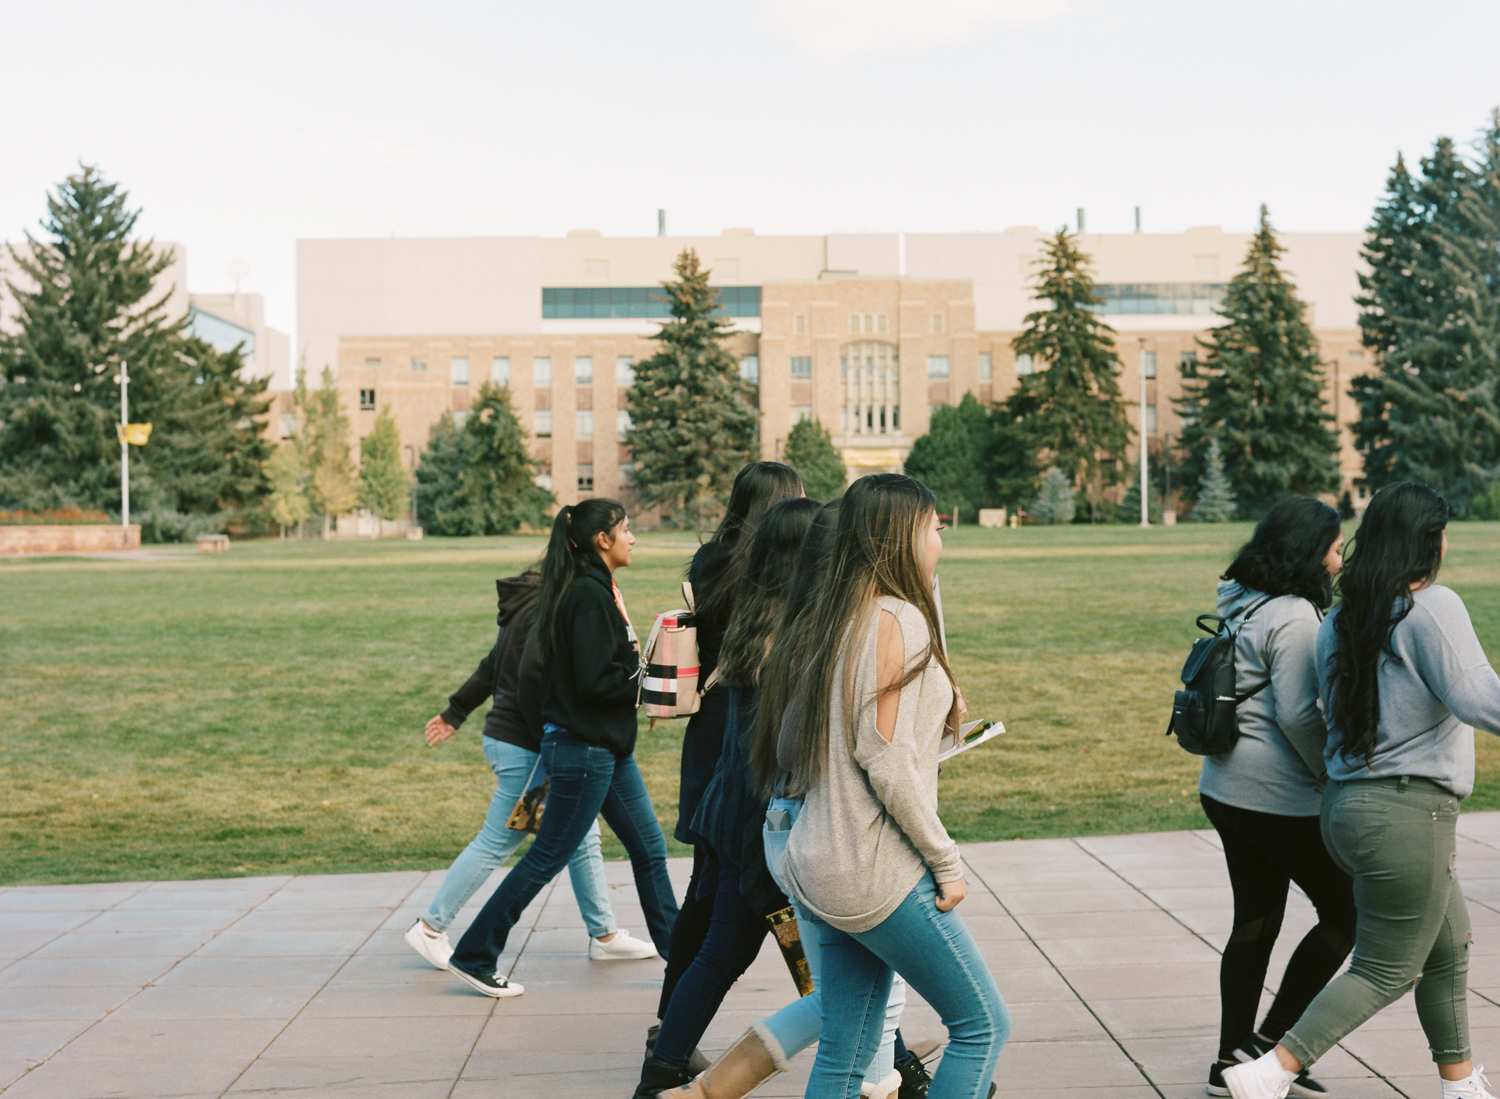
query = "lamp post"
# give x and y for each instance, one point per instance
(124, 445)
(412, 453)
(1140, 369)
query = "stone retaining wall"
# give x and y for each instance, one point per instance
(82, 538)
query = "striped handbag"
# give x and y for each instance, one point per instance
(669, 687)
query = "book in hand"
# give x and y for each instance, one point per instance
(969, 735)
(527, 815)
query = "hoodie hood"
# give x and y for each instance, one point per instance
(517, 594)
(1235, 599)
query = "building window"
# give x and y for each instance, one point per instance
(288, 425)
(750, 368)
(1148, 364)
(459, 369)
(627, 471)
(624, 371)
(583, 423)
(801, 369)
(367, 400)
(1356, 356)
(1023, 365)
(622, 423)
(543, 478)
(932, 410)
(460, 418)
(596, 270)
(544, 423)
(937, 322)
(419, 366)
(1150, 419)
(583, 370)
(869, 323)
(854, 324)
(870, 375)
(799, 324)
(586, 477)
(937, 366)
(1160, 297)
(986, 367)
(801, 412)
(572, 302)
(541, 371)
(372, 363)
(1187, 363)
(500, 370)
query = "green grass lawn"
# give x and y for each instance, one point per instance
(261, 711)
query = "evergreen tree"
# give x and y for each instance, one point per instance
(88, 303)
(1055, 503)
(1259, 392)
(1214, 502)
(952, 458)
(383, 481)
(1428, 312)
(288, 504)
(692, 428)
(480, 478)
(325, 450)
(810, 451)
(1067, 416)
(1130, 506)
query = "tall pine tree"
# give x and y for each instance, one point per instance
(1429, 313)
(951, 459)
(810, 451)
(691, 426)
(87, 301)
(1215, 500)
(1068, 416)
(1259, 391)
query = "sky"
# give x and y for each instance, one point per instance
(239, 129)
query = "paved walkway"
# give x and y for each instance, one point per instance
(1106, 950)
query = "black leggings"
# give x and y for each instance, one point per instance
(693, 918)
(1266, 852)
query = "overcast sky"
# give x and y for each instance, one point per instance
(241, 128)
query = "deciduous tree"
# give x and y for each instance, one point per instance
(383, 481)
(953, 457)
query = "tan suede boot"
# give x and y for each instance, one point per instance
(746, 1065)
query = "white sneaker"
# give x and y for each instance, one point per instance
(432, 945)
(1262, 1078)
(1475, 1087)
(886, 1089)
(624, 947)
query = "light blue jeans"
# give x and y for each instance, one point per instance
(796, 1026)
(495, 843)
(936, 954)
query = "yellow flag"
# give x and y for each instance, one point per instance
(134, 434)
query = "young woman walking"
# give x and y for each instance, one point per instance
(714, 575)
(1264, 795)
(868, 857)
(1404, 681)
(590, 672)
(731, 810)
(511, 676)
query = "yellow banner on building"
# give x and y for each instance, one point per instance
(134, 434)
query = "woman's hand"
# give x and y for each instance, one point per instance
(438, 731)
(949, 893)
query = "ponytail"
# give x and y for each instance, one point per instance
(569, 549)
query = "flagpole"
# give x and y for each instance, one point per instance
(124, 446)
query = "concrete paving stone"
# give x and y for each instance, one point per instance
(159, 921)
(355, 919)
(15, 923)
(1070, 953)
(1025, 986)
(401, 1077)
(402, 969)
(1196, 897)
(286, 900)
(1404, 1052)
(87, 1002)
(560, 940)
(114, 1041)
(1138, 981)
(1008, 955)
(401, 1036)
(250, 972)
(988, 928)
(33, 1041)
(619, 1035)
(76, 972)
(282, 944)
(1184, 1059)
(1159, 1017)
(66, 1077)
(546, 998)
(210, 1002)
(182, 900)
(1053, 901)
(264, 883)
(403, 880)
(577, 967)
(1071, 925)
(1053, 1021)
(122, 944)
(61, 898)
(540, 1082)
(371, 1001)
(18, 944)
(1026, 1065)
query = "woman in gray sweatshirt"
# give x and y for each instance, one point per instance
(1263, 796)
(1403, 681)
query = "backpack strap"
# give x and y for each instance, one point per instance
(687, 595)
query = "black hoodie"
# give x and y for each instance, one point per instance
(511, 673)
(590, 682)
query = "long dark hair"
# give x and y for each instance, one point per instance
(569, 551)
(779, 676)
(1285, 554)
(1399, 543)
(763, 587)
(877, 551)
(757, 487)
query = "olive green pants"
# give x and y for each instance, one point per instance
(1396, 839)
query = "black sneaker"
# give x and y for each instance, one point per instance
(1304, 1086)
(915, 1079)
(489, 985)
(1216, 1085)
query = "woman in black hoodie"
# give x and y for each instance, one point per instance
(590, 680)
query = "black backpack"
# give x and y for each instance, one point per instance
(1204, 712)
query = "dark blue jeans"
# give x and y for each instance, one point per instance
(585, 781)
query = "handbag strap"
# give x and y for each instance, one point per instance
(687, 595)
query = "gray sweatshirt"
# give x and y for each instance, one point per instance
(869, 828)
(1277, 764)
(1439, 687)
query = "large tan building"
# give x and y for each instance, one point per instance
(866, 332)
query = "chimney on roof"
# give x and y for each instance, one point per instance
(1080, 219)
(661, 223)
